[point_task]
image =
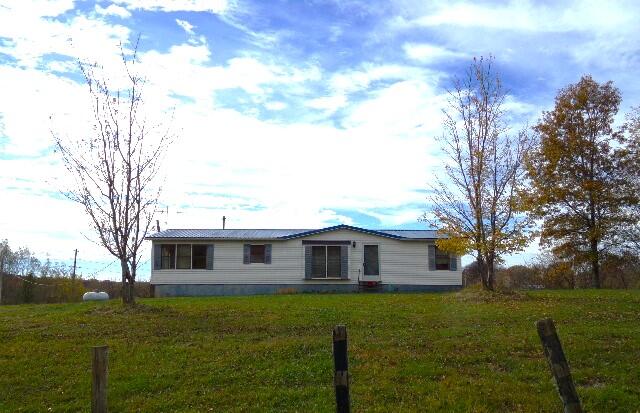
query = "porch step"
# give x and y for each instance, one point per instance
(370, 286)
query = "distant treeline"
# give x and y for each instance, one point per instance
(27, 279)
(17, 289)
(547, 271)
(22, 261)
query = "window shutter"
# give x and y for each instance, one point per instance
(453, 263)
(210, 256)
(308, 262)
(247, 253)
(157, 256)
(431, 257)
(267, 253)
(344, 262)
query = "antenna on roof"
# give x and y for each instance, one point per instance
(224, 221)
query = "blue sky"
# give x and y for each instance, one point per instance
(292, 114)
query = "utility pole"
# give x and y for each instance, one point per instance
(75, 256)
(73, 274)
(3, 255)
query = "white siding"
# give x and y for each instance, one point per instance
(401, 262)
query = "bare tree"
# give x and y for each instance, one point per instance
(474, 204)
(115, 166)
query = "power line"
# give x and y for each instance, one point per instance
(30, 281)
(93, 274)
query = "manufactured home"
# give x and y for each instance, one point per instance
(342, 258)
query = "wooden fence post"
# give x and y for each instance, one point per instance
(99, 367)
(341, 367)
(558, 365)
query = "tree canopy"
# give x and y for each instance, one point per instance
(580, 187)
(475, 203)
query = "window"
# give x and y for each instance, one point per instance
(184, 257)
(199, 257)
(318, 263)
(333, 261)
(168, 254)
(325, 261)
(442, 260)
(256, 254)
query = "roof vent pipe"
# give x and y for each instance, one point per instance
(224, 221)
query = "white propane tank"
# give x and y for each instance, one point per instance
(95, 296)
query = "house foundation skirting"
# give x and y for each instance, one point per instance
(189, 290)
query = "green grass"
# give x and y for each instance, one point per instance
(408, 352)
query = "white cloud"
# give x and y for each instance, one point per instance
(530, 16)
(36, 8)
(282, 168)
(405, 108)
(276, 105)
(186, 26)
(185, 70)
(424, 52)
(32, 35)
(330, 104)
(359, 79)
(536, 37)
(66, 66)
(211, 6)
(113, 10)
(34, 97)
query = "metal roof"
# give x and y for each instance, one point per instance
(227, 233)
(284, 234)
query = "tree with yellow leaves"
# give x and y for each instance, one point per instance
(475, 203)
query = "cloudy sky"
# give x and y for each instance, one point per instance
(295, 114)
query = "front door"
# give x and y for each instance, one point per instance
(371, 262)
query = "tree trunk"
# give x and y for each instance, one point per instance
(128, 296)
(482, 270)
(487, 274)
(491, 275)
(483, 277)
(595, 263)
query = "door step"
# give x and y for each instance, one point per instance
(370, 286)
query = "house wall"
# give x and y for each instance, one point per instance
(401, 263)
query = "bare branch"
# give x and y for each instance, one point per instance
(115, 166)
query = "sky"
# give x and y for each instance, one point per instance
(287, 114)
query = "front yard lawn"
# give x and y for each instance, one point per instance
(454, 352)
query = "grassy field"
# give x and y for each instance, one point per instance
(408, 352)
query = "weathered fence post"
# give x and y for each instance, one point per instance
(99, 365)
(341, 366)
(558, 365)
